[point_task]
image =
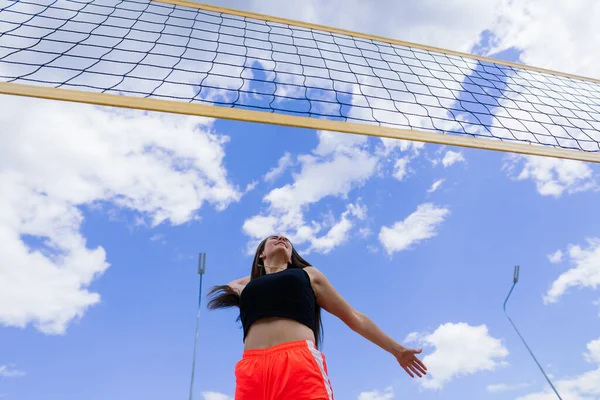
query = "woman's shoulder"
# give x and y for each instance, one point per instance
(314, 273)
(238, 285)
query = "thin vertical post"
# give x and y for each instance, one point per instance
(201, 270)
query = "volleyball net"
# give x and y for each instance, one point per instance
(182, 57)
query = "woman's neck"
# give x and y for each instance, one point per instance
(273, 267)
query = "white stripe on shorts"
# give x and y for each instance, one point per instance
(319, 359)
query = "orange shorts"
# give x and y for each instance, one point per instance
(289, 371)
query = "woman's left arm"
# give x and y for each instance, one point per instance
(333, 302)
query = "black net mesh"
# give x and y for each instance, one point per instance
(157, 50)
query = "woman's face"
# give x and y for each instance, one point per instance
(277, 247)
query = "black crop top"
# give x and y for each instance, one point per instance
(286, 294)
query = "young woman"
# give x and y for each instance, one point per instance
(280, 310)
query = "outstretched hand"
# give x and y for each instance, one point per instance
(412, 365)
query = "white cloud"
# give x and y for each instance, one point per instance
(451, 158)
(536, 26)
(435, 186)
(338, 143)
(455, 25)
(556, 257)
(8, 371)
(414, 337)
(359, 211)
(418, 226)
(389, 145)
(250, 187)
(593, 353)
(386, 394)
(401, 167)
(65, 155)
(460, 350)
(503, 387)
(372, 249)
(283, 164)
(339, 232)
(339, 164)
(320, 178)
(365, 232)
(159, 237)
(215, 396)
(391, 151)
(585, 273)
(552, 176)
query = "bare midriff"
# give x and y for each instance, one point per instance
(268, 332)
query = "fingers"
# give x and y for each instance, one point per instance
(420, 363)
(416, 366)
(408, 371)
(415, 370)
(412, 365)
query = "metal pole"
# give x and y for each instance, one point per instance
(515, 280)
(201, 269)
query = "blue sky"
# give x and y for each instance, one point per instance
(116, 216)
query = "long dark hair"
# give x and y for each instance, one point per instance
(224, 296)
